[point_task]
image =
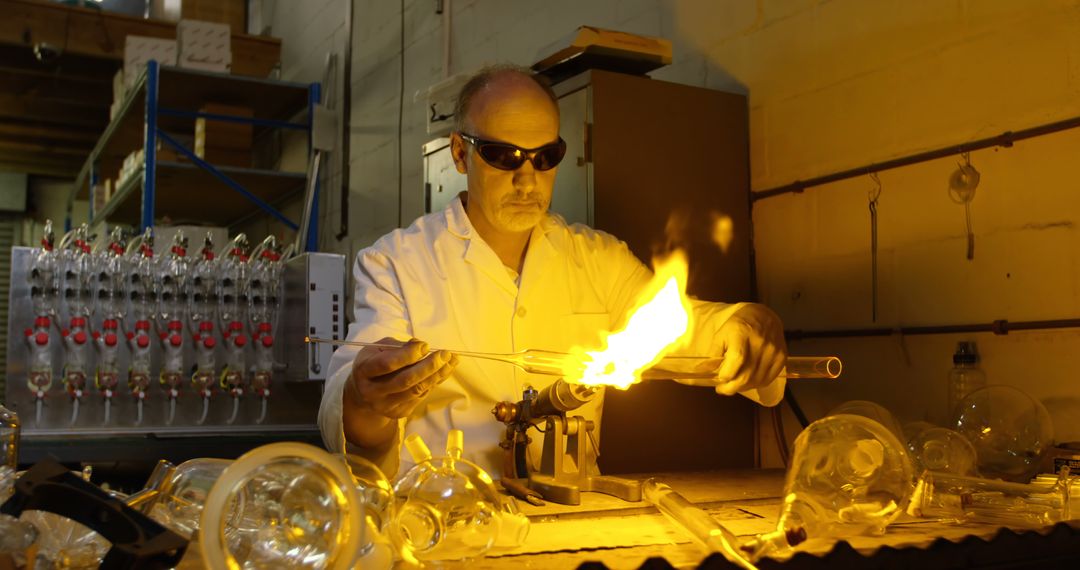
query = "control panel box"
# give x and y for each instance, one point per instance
(314, 307)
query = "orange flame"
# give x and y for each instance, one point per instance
(661, 322)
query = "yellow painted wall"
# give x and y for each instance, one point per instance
(841, 84)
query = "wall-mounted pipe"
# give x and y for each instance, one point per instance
(1005, 139)
(998, 327)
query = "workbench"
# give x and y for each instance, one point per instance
(622, 535)
(607, 532)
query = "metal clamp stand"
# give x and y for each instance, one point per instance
(569, 450)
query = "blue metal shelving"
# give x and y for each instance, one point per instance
(156, 110)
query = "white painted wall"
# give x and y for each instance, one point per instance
(832, 85)
(310, 30)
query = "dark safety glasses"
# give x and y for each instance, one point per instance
(509, 157)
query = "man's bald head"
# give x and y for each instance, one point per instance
(498, 74)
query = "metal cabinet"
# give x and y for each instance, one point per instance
(442, 181)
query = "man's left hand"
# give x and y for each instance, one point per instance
(752, 346)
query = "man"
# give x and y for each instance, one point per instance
(494, 272)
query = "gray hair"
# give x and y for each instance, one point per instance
(487, 76)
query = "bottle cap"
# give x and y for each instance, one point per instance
(966, 353)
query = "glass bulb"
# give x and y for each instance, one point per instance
(180, 501)
(448, 508)
(848, 476)
(1010, 431)
(283, 505)
(941, 449)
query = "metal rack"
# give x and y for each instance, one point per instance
(169, 98)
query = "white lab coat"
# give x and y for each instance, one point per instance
(438, 281)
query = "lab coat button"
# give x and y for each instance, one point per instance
(521, 311)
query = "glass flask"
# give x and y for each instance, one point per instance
(941, 449)
(873, 411)
(377, 495)
(848, 476)
(183, 492)
(283, 505)
(1010, 431)
(448, 508)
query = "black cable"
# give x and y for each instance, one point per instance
(781, 438)
(400, 118)
(789, 397)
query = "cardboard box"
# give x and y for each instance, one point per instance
(224, 134)
(118, 90)
(203, 45)
(140, 49)
(165, 10)
(232, 13)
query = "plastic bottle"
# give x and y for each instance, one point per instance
(965, 376)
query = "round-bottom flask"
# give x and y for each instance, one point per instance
(1010, 430)
(283, 505)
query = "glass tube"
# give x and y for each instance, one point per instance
(971, 499)
(536, 361)
(697, 523)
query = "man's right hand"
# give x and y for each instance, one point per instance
(387, 384)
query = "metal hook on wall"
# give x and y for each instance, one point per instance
(874, 195)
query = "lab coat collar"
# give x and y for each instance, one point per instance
(458, 223)
(457, 220)
(479, 253)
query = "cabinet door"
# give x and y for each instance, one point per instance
(572, 196)
(442, 181)
(661, 149)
